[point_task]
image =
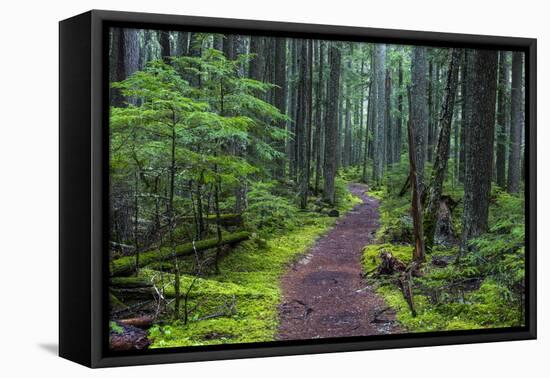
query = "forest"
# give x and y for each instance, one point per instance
(269, 188)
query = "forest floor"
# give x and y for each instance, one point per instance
(324, 294)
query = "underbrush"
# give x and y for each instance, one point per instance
(239, 305)
(484, 288)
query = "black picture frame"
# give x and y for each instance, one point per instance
(83, 182)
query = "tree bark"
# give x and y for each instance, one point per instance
(416, 203)
(514, 160)
(419, 111)
(331, 123)
(164, 41)
(319, 118)
(399, 120)
(125, 60)
(442, 152)
(479, 145)
(501, 120)
(379, 132)
(280, 98)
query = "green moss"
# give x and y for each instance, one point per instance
(249, 277)
(114, 327)
(376, 193)
(125, 265)
(485, 290)
(442, 302)
(371, 254)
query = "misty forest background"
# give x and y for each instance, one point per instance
(231, 154)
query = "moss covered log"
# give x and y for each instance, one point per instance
(127, 265)
(225, 219)
(130, 282)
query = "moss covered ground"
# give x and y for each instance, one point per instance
(247, 287)
(483, 289)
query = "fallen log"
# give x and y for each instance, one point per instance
(142, 322)
(126, 337)
(127, 265)
(130, 282)
(148, 293)
(225, 219)
(116, 304)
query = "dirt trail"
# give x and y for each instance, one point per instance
(324, 294)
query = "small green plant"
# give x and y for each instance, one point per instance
(267, 212)
(115, 327)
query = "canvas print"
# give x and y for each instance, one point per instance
(269, 189)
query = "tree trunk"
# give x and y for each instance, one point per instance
(228, 46)
(164, 41)
(182, 44)
(479, 145)
(388, 150)
(399, 121)
(280, 98)
(318, 118)
(514, 160)
(331, 122)
(257, 62)
(379, 132)
(501, 120)
(125, 60)
(370, 107)
(466, 111)
(443, 149)
(346, 153)
(431, 118)
(416, 203)
(301, 123)
(419, 111)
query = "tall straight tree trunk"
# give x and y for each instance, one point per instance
(361, 113)
(379, 135)
(125, 60)
(347, 135)
(479, 146)
(416, 202)
(457, 125)
(419, 111)
(514, 159)
(280, 97)
(431, 118)
(339, 158)
(309, 124)
(302, 123)
(319, 118)
(228, 46)
(437, 103)
(346, 153)
(388, 122)
(501, 120)
(257, 62)
(293, 94)
(164, 41)
(399, 121)
(443, 150)
(182, 44)
(466, 111)
(331, 122)
(369, 121)
(218, 42)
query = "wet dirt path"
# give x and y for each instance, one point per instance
(324, 294)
